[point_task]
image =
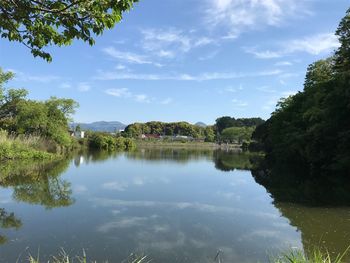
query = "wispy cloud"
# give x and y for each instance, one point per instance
(84, 86)
(122, 92)
(314, 45)
(283, 63)
(26, 77)
(65, 85)
(143, 98)
(239, 103)
(128, 57)
(241, 15)
(166, 101)
(126, 93)
(112, 75)
(165, 43)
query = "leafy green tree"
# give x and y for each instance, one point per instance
(342, 55)
(209, 134)
(310, 130)
(49, 119)
(38, 24)
(236, 134)
(224, 122)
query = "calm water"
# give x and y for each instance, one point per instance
(174, 205)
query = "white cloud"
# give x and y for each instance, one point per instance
(111, 75)
(65, 85)
(126, 93)
(122, 92)
(157, 39)
(84, 86)
(241, 15)
(266, 54)
(283, 63)
(166, 101)
(128, 56)
(239, 103)
(142, 98)
(26, 77)
(313, 45)
(165, 43)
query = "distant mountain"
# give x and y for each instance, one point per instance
(103, 126)
(201, 124)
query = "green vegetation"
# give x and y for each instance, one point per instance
(226, 129)
(227, 122)
(38, 24)
(315, 256)
(294, 256)
(22, 147)
(63, 257)
(310, 131)
(105, 141)
(29, 128)
(237, 134)
(170, 130)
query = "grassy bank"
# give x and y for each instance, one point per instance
(293, 256)
(23, 147)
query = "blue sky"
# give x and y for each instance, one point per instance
(192, 60)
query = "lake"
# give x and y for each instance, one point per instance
(175, 205)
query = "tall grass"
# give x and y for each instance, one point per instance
(293, 256)
(23, 147)
(315, 256)
(65, 258)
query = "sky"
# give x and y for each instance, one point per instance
(191, 60)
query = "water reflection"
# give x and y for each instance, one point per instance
(37, 182)
(168, 203)
(7, 221)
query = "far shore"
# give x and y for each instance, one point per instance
(207, 145)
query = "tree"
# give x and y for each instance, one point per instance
(224, 122)
(237, 134)
(37, 24)
(343, 53)
(310, 130)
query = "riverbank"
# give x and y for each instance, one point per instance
(189, 144)
(293, 256)
(24, 148)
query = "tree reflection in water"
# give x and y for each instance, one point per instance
(7, 221)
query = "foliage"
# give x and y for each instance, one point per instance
(170, 129)
(21, 148)
(21, 116)
(38, 24)
(227, 122)
(311, 130)
(105, 141)
(236, 134)
(315, 256)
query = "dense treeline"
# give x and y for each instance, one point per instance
(310, 131)
(231, 130)
(170, 129)
(226, 129)
(225, 122)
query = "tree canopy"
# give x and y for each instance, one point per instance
(19, 115)
(38, 24)
(311, 130)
